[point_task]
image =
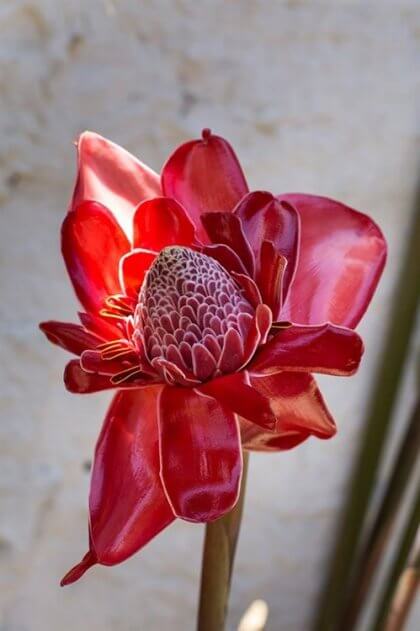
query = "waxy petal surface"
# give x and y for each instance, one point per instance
(203, 176)
(265, 218)
(326, 348)
(161, 222)
(132, 270)
(200, 452)
(77, 381)
(342, 255)
(254, 438)
(236, 394)
(92, 244)
(110, 175)
(127, 504)
(296, 402)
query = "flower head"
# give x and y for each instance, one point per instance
(208, 307)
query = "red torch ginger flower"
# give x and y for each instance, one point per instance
(208, 307)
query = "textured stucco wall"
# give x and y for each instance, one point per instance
(317, 97)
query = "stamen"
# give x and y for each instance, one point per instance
(109, 355)
(110, 344)
(105, 313)
(120, 301)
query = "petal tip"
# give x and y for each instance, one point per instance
(78, 570)
(206, 133)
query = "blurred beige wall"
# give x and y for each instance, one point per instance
(316, 97)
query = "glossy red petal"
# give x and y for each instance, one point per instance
(201, 458)
(133, 268)
(160, 222)
(265, 218)
(72, 337)
(204, 176)
(78, 381)
(236, 394)
(108, 174)
(326, 348)
(342, 255)
(271, 277)
(92, 244)
(254, 438)
(226, 228)
(127, 504)
(296, 402)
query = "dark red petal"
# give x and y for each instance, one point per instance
(92, 244)
(226, 228)
(71, 337)
(201, 458)
(271, 275)
(256, 439)
(76, 572)
(258, 332)
(325, 348)
(265, 218)
(78, 381)
(161, 222)
(236, 394)
(225, 256)
(297, 402)
(103, 327)
(133, 268)
(127, 504)
(251, 291)
(108, 174)
(342, 255)
(92, 362)
(204, 176)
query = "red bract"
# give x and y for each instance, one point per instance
(208, 307)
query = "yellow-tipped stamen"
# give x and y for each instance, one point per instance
(105, 313)
(119, 305)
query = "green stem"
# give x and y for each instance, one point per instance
(218, 558)
(376, 430)
(382, 527)
(398, 564)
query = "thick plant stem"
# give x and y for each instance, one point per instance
(218, 558)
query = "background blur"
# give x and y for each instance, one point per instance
(315, 97)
